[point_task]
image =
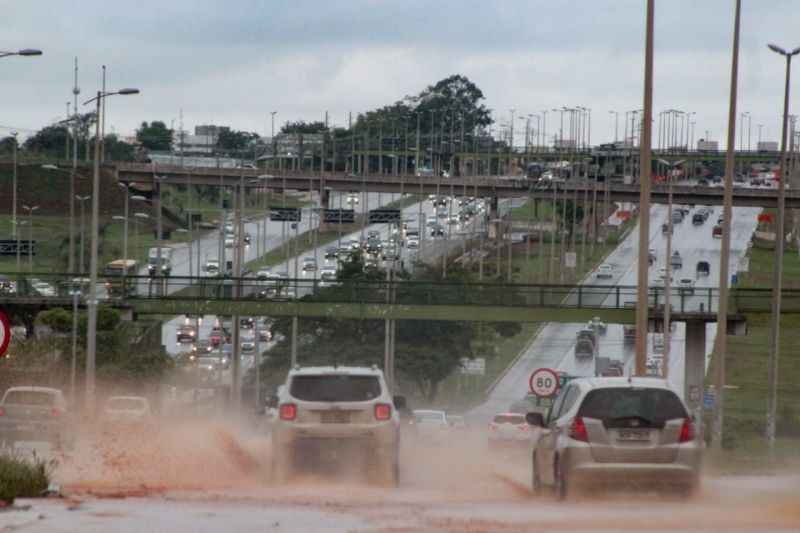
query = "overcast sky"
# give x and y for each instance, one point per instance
(232, 62)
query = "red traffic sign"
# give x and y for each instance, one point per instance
(544, 382)
(5, 333)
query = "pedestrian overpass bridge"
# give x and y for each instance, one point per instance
(398, 300)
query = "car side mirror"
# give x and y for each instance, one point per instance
(535, 419)
(399, 402)
(272, 401)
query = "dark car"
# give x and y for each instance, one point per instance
(186, 333)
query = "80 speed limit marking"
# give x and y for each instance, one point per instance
(544, 382)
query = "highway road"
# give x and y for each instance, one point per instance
(554, 346)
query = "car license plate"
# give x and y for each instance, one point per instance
(633, 434)
(335, 417)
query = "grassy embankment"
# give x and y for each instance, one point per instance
(747, 364)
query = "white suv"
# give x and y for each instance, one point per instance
(332, 415)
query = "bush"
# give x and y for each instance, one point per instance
(22, 478)
(59, 320)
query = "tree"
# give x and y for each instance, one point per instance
(49, 140)
(232, 140)
(155, 136)
(566, 211)
(303, 127)
(117, 150)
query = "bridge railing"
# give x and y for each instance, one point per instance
(130, 288)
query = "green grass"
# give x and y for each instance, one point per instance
(22, 478)
(51, 234)
(747, 363)
(527, 211)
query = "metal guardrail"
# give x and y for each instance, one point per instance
(131, 288)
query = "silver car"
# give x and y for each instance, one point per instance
(616, 432)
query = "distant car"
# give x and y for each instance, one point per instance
(327, 276)
(651, 256)
(437, 231)
(686, 286)
(675, 261)
(703, 268)
(597, 325)
(203, 347)
(585, 343)
(412, 244)
(430, 424)
(604, 272)
(508, 429)
(309, 264)
(698, 219)
(717, 232)
(186, 333)
(617, 432)
(248, 345)
(352, 198)
(355, 245)
(212, 267)
(126, 410)
(263, 274)
(331, 253)
(666, 228)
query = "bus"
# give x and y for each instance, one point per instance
(115, 273)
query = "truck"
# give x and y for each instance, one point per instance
(166, 261)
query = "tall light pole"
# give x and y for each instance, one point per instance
(14, 188)
(777, 274)
(81, 264)
(124, 187)
(30, 210)
(274, 145)
(91, 332)
(725, 247)
(644, 200)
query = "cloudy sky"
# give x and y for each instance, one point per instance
(232, 62)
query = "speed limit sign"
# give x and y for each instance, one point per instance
(5, 333)
(544, 382)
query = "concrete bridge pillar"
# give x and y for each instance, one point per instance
(694, 364)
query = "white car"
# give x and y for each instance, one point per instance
(309, 264)
(324, 411)
(508, 429)
(430, 424)
(412, 244)
(604, 272)
(212, 267)
(44, 288)
(327, 276)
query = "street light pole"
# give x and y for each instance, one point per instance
(81, 263)
(772, 403)
(644, 200)
(91, 332)
(30, 210)
(725, 248)
(14, 188)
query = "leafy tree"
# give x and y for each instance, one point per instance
(48, 139)
(155, 136)
(566, 211)
(117, 150)
(230, 140)
(303, 127)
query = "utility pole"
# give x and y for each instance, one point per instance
(644, 200)
(71, 252)
(725, 250)
(777, 275)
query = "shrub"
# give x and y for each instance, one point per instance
(22, 478)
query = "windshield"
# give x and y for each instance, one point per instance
(654, 405)
(335, 388)
(127, 404)
(24, 397)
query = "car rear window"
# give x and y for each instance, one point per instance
(509, 419)
(126, 403)
(655, 405)
(335, 388)
(20, 397)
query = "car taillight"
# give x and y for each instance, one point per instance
(383, 411)
(2, 412)
(687, 431)
(288, 411)
(56, 411)
(577, 430)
